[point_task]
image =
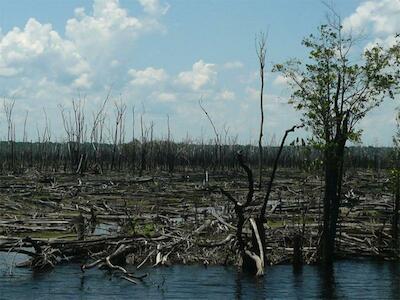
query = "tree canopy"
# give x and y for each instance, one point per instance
(336, 88)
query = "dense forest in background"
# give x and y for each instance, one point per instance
(162, 155)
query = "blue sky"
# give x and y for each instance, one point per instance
(162, 56)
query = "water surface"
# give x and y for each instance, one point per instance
(355, 279)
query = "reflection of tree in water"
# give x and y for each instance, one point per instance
(327, 282)
(238, 285)
(298, 280)
(394, 269)
(249, 287)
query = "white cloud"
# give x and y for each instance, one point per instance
(37, 50)
(226, 95)
(147, 76)
(41, 67)
(200, 75)
(114, 63)
(253, 93)
(280, 80)
(154, 7)
(233, 65)
(382, 17)
(270, 100)
(165, 97)
(82, 81)
(92, 44)
(103, 32)
(8, 72)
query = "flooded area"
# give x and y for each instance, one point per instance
(362, 279)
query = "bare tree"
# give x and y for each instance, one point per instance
(25, 134)
(120, 109)
(74, 126)
(170, 156)
(217, 135)
(8, 106)
(96, 134)
(261, 49)
(144, 141)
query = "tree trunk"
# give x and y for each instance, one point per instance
(297, 251)
(261, 231)
(333, 182)
(395, 222)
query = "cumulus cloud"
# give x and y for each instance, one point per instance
(154, 7)
(40, 66)
(104, 34)
(93, 43)
(201, 74)
(43, 67)
(38, 50)
(147, 76)
(381, 18)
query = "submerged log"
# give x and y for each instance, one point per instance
(43, 259)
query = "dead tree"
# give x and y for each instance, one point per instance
(96, 135)
(170, 155)
(252, 257)
(119, 132)
(25, 141)
(8, 107)
(133, 155)
(261, 219)
(74, 127)
(143, 146)
(261, 51)
(45, 141)
(217, 135)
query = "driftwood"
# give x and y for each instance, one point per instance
(170, 220)
(258, 258)
(106, 261)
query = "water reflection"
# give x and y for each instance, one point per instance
(327, 285)
(394, 270)
(248, 286)
(238, 286)
(347, 279)
(298, 280)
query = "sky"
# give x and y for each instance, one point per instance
(161, 57)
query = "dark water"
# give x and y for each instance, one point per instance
(349, 279)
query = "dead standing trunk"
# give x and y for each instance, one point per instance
(253, 257)
(395, 219)
(261, 219)
(261, 51)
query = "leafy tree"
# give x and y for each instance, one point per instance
(395, 183)
(335, 89)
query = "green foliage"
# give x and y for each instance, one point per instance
(335, 89)
(396, 137)
(134, 227)
(394, 172)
